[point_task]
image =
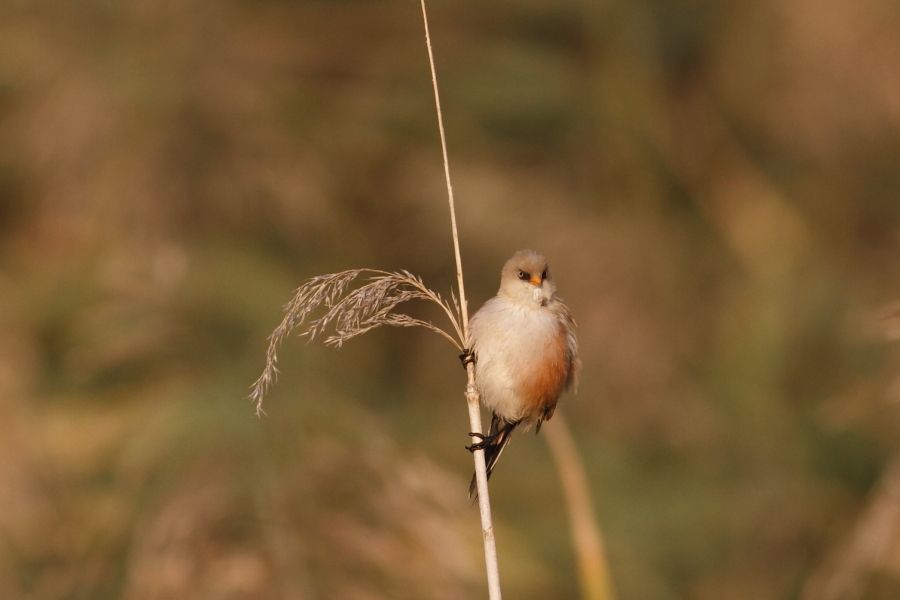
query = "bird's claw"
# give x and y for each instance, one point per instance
(481, 445)
(466, 357)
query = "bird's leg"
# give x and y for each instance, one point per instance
(484, 443)
(466, 357)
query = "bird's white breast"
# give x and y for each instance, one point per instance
(509, 338)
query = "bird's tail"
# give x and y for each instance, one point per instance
(496, 440)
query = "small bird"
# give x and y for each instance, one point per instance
(525, 352)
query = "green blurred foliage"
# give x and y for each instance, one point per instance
(715, 183)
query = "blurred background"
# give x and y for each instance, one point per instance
(716, 184)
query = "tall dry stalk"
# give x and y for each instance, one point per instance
(593, 566)
(472, 399)
(359, 300)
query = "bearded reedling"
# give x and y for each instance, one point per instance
(523, 343)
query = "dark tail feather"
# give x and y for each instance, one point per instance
(498, 437)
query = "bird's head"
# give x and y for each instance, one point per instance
(526, 278)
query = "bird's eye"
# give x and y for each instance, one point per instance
(523, 275)
(545, 274)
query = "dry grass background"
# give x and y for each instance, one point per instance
(716, 184)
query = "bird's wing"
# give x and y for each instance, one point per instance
(569, 325)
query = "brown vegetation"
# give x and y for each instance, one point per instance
(716, 186)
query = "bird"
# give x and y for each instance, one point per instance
(522, 342)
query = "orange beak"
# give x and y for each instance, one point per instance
(536, 280)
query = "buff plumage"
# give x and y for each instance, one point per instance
(526, 352)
